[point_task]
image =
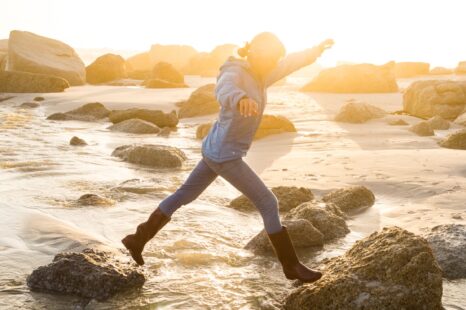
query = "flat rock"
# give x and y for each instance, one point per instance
(350, 198)
(25, 82)
(358, 112)
(151, 155)
(156, 117)
(135, 125)
(390, 269)
(89, 112)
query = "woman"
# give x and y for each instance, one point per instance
(241, 90)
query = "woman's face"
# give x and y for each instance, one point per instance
(263, 59)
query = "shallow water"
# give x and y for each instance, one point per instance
(195, 262)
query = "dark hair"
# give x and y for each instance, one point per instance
(243, 51)
(268, 38)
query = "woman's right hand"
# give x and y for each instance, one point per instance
(247, 107)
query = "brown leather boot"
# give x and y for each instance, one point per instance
(286, 254)
(145, 231)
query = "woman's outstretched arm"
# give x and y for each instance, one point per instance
(227, 90)
(296, 60)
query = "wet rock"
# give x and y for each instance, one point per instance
(166, 72)
(151, 155)
(89, 112)
(422, 129)
(288, 197)
(411, 69)
(461, 120)
(350, 198)
(4, 97)
(302, 233)
(77, 141)
(440, 71)
(448, 243)
(360, 78)
(202, 101)
(25, 82)
(90, 274)
(445, 98)
(30, 104)
(456, 140)
(39, 98)
(155, 117)
(358, 112)
(106, 68)
(94, 200)
(327, 222)
(29, 52)
(437, 122)
(135, 125)
(158, 83)
(397, 122)
(390, 269)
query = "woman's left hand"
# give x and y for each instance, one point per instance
(325, 45)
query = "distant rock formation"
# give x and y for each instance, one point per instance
(153, 155)
(106, 68)
(208, 64)
(440, 71)
(89, 112)
(358, 112)
(25, 82)
(411, 69)
(461, 68)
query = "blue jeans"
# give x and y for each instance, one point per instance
(240, 175)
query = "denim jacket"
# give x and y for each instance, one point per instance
(231, 135)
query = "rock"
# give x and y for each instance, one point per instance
(422, 129)
(29, 104)
(4, 97)
(411, 69)
(390, 269)
(203, 130)
(397, 122)
(89, 274)
(135, 125)
(288, 197)
(106, 68)
(201, 102)
(158, 83)
(358, 112)
(437, 122)
(89, 112)
(3, 60)
(427, 98)
(456, 140)
(29, 52)
(39, 98)
(328, 223)
(448, 243)
(351, 198)
(461, 120)
(360, 78)
(151, 155)
(124, 82)
(139, 63)
(302, 233)
(440, 71)
(166, 72)
(176, 55)
(77, 141)
(155, 117)
(24, 82)
(165, 131)
(461, 68)
(94, 200)
(208, 64)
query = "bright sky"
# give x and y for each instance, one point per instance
(364, 30)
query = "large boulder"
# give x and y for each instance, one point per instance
(25, 82)
(461, 68)
(351, 198)
(106, 68)
(360, 78)
(329, 223)
(448, 242)
(411, 69)
(89, 112)
(288, 197)
(155, 117)
(89, 274)
(456, 140)
(33, 53)
(358, 112)
(302, 233)
(390, 269)
(135, 125)
(202, 101)
(167, 72)
(3, 54)
(151, 155)
(435, 97)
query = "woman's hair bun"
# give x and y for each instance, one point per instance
(243, 51)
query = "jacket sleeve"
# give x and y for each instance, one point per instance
(227, 90)
(291, 63)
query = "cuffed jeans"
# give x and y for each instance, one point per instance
(240, 175)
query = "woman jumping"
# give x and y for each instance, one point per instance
(241, 90)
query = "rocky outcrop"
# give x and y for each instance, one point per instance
(29, 52)
(89, 112)
(77, 141)
(445, 98)
(106, 68)
(448, 242)
(201, 102)
(156, 117)
(438, 123)
(440, 71)
(411, 69)
(461, 68)
(456, 140)
(135, 125)
(177, 55)
(24, 82)
(288, 197)
(351, 198)
(89, 274)
(358, 112)
(208, 63)
(360, 78)
(422, 129)
(151, 155)
(390, 269)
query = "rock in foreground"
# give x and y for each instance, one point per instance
(24, 82)
(151, 155)
(155, 117)
(89, 112)
(456, 140)
(89, 274)
(390, 269)
(351, 198)
(135, 125)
